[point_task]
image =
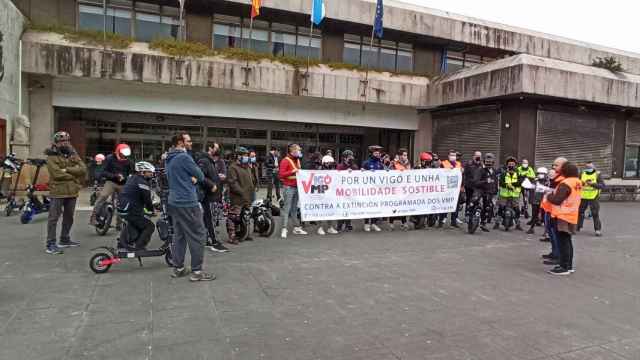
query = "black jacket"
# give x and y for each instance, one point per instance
(470, 170)
(114, 167)
(271, 164)
(484, 180)
(211, 178)
(135, 196)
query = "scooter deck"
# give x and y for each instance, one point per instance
(141, 253)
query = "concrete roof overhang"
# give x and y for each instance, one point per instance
(532, 75)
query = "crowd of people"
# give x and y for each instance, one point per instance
(200, 184)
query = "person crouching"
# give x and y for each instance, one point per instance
(134, 206)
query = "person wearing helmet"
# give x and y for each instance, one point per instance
(374, 163)
(98, 168)
(541, 181)
(483, 184)
(287, 172)
(401, 163)
(509, 192)
(135, 206)
(348, 163)
(328, 163)
(426, 161)
(242, 186)
(66, 177)
(117, 168)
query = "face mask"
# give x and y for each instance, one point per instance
(452, 158)
(253, 160)
(511, 167)
(65, 149)
(541, 176)
(524, 165)
(589, 169)
(244, 159)
(477, 158)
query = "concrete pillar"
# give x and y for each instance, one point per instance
(199, 28)
(41, 114)
(427, 60)
(332, 46)
(527, 127)
(424, 134)
(619, 144)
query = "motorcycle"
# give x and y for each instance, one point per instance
(104, 216)
(95, 191)
(34, 206)
(263, 224)
(473, 215)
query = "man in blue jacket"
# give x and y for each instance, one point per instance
(184, 208)
(373, 163)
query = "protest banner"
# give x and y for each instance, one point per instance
(333, 195)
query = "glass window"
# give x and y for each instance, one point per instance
(305, 48)
(369, 55)
(118, 20)
(387, 59)
(151, 26)
(259, 36)
(351, 53)
(226, 36)
(632, 161)
(405, 60)
(283, 44)
(470, 60)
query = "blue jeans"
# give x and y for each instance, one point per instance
(550, 226)
(290, 206)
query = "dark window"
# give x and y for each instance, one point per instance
(632, 161)
(91, 17)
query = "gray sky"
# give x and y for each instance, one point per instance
(612, 23)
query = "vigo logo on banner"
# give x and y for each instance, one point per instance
(333, 195)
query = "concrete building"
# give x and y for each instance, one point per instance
(437, 81)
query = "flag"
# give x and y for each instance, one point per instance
(377, 24)
(255, 8)
(317, 11)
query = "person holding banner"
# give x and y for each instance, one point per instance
(373, 163)
(289, 167)
(347, 163)
(401, 164)
(328, 163)
(452, 163)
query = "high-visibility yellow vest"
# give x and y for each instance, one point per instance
(589, 192)
(511, 179)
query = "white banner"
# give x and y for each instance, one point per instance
(334, 195)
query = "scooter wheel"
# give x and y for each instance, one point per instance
(96, 263)
(168, 259)
(26, 216)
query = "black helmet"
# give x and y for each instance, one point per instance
(489, 157)
(61, 136)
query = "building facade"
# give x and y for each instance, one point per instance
(436, 81)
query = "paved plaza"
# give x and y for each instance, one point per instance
(430, 294)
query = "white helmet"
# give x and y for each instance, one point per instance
(144, 166)
(328, 159)
(542, 170)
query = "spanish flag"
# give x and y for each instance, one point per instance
(255, 8)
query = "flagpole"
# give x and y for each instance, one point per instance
(250, 36)
(366, 74)
(309, 50)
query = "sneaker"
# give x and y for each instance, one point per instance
(201, 276)
(547, 256)
(299, 231)
(459, 222)
(551, 262)
(518, 227)
(349, 228)
(530, 231)
(598, 233)
(178, 273)
(321, 231)
(283, 234)
(455, 225)
(69, 243)
(571, 271)
(375, 228)
(53, 250)
(440, 223)
(404, 227)
(545, 239)
(559, 270)
(367, 227)
(218, 247)
(496, 225)
(484, 228)
(332, 231)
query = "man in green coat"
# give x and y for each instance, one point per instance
(66, 176)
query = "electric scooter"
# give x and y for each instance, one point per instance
(12, 165)
(105, 256)
(34, 205)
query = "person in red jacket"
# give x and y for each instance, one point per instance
(288, 169)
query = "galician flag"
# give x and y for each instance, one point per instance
(377, 24)
(255, 8)
(317, 11)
